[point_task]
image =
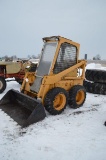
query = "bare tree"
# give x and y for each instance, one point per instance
(97, 57)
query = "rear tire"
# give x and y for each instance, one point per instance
(2, 84)
(56, 100)
(77, 96)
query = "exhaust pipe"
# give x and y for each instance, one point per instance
(21, 108)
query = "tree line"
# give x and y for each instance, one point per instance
(14, 57)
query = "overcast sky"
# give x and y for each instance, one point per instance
(23, 24)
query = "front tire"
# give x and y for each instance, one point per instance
(56, 100)
(77, 96)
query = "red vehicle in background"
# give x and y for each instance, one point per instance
(10, 71)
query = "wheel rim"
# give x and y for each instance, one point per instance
(59, 101)
(80, 97)
(1, 85)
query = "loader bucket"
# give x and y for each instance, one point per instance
(21, 108)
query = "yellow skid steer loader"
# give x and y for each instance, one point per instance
(58, 81)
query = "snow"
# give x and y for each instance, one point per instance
(95, 66)
(77, 134)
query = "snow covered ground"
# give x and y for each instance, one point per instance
(77, 134)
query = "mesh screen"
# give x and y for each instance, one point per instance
(67, 57)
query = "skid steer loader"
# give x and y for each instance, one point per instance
(58, 81)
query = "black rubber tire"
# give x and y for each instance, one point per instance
(96, 88)
(50, 97)
(96, 75)
(3, 84)
(89, 86)
(73, 96)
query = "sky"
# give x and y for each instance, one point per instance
(23, 24)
